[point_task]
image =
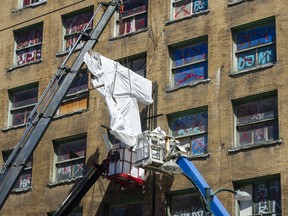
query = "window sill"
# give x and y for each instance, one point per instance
(21, 190)
(255, 146)
(128, 35)
(63, 53)
(14, 127)
(257, 68)
(193, 84)
(70, 114)
(24, 65)
(187, 17)
(29, 6)
(236, 2)
(62, 182)
(199, 157)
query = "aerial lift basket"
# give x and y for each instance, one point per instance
(122, 170)
(149, 150)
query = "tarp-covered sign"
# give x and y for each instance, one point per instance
(121, 88)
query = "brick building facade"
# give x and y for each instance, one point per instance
(220, 70)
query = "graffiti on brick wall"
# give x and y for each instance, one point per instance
(190, 64)
(187, 8)
(73, 25)
(250, 40)
(29, 46)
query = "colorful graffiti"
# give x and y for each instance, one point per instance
(29, 46)
(267, 196)
(187, 8)
(257, 112)
(73, 25)
(192, 125)
(190, 64)
(251, 39)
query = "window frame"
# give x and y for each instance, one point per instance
(27, 170)
(74, 97)
(126, 204)
(203, 61)
(65, 35)
(131, 60)
(251, 100)
(254, 48)
(252, 183)
(119, 21)
(26, 30)
(191, 14)
(31, 4)
(185, 192)
(12, 93)
(196, 135)
(71, 161)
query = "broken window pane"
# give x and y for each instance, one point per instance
(184, 8)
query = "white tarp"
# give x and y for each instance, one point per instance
(121, 88)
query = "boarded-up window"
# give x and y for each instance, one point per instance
(69, 159)
(184, 8)
(28, 45)
(134, 17)
(73, 25)
(257, 121)
(77, 97)
(22, 102)
(25, 179)
(189, 63)
(255, 46)
(191, 129)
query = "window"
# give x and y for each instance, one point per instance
(255, 46)
(191, 129)
(266, 199)
(78, 211)
(184, 8)
(185, 204)
(77, 97)
(22, 102)
(28, 45)
(136, 64)
(69, 159)
(127, 209)
(134, 17)
(73, 24)
(25, 179)
(257, 121)
(31, 2)
(189, 63)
